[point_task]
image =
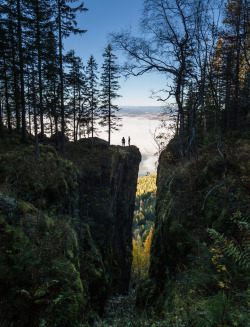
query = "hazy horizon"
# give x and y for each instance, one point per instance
(139, 125)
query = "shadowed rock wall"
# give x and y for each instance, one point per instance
(107, 188)
(65, 231)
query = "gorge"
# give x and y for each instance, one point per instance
(66, 235)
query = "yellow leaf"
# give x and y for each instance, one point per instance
(221, 284)
(227, 280)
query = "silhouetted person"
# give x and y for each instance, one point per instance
(129, 141)
(123, 141)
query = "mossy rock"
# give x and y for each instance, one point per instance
(47, 182)
(38, 276)
(202, 193)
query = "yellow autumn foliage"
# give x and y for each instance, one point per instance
(141, 257)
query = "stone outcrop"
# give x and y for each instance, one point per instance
(107, 188)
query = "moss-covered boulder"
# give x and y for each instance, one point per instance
(39, 276)
(47, 182)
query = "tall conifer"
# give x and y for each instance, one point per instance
(109, 85)
(92, 91)
(66, 25)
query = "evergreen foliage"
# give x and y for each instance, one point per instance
(109, 86)
(32, 79)
(92, 92)
(77, 91)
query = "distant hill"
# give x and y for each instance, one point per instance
(150, 112)
(140, 111)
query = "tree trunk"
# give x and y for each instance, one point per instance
(1, 120)
(21, 71)
(56, 127)
(181, 114)
(227, 97)
(29, 111)
(61, 77)
(7, 105)
(92, 117)
(51, 125)
(237, 81)
(109, 105)
(177, 123)
(92, 122)
(74, 115)
(79, 110)
(203, 107)
(35, 114)
(38, 39)
(16, 87)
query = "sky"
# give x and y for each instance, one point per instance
(102, 18)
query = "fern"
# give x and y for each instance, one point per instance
(240, 252)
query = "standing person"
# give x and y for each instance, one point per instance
(123, 141)
(129, 141)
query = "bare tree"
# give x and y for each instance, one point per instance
(176, 43)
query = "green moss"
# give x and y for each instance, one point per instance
(49, 181)
(186, 281)
(56, 231)
(35, 265)
(26, 207)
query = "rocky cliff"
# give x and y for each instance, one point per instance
(65, 226)
(199, 253)
(107, 187)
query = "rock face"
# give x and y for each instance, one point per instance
(65, 231)
(107, 188)
(194, 220)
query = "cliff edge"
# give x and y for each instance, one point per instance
(107, 188)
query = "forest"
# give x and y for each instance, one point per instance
(48, 92)
(45, 91)
(79, 246)
(143, 225)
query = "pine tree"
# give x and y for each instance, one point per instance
(21, 11)
(51, 80)
(75, 82)
(12, 28)
(40, 16)
(66, 25)
(5, 73)
(237, 35)
(34, 102)
(92, 91)
(109, 85)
